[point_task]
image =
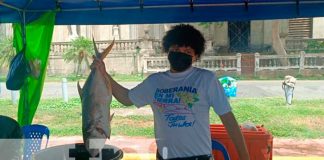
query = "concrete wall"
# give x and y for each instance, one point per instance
(220, 34)
(100, 32)
(318, 27)
(257, 34)
(261, 33)
(267, 39)
(122, 63)
(60, 34)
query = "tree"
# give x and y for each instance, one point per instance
(80, 51)
(7, 51)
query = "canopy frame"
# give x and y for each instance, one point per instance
(191, 5)
(128, 12)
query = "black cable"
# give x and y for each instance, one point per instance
(141, 4)
(246, 5)
(191, 5)
(58, 5)
(99, 4)
(297, 6)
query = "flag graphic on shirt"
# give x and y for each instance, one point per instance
(176, 104)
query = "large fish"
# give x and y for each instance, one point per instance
(96, 96)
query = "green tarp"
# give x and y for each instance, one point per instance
(38, 40)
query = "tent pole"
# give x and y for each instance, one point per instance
(24, 28)
(22, 15)
(10, 6)
(24, 38)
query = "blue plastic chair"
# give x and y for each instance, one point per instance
(219, 146)
(33, 135)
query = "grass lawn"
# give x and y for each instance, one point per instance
(303, 119)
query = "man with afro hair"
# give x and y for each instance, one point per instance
(181, 99)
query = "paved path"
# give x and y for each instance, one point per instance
(305, 89)
(281, 147)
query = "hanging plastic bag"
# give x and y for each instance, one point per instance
(19, 69)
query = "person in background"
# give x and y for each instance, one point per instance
(180, 99)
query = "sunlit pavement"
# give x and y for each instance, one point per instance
(141, 148)
(245, 89)
(297, 158)
(132, 156)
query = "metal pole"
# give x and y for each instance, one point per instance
(65, 90)
(10, 6)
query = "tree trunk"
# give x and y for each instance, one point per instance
(276, 42)
(80, 59)
(78, 68)
(88, 65)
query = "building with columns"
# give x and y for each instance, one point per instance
(223, 37)
(63, 33)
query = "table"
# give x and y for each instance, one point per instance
(78, 152)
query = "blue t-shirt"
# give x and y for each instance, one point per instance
(180, 104)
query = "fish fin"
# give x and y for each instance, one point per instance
(107, 50)
(79, 90)
(111, 117)
(95, 48)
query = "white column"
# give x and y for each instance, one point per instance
(238, 63)
(257, 62)
(302, 61)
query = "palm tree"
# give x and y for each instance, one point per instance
(80, 51)
(7, 51)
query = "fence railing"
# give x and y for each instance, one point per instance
(58, 48)
(233, 63)
(226, 63)
(313, 61)
(272, 62)
(213, 63)
(152, 59)
(301, 61)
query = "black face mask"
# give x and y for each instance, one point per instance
(179, 61)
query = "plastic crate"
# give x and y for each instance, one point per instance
(230, 92)
(259, 143)
(230, 85)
